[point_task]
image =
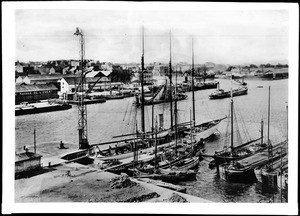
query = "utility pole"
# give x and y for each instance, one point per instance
(82, 110)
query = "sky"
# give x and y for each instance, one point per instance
(229, 36)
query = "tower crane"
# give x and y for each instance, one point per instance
(82, 110)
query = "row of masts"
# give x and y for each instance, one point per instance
(172, 125)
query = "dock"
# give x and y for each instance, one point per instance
(74, 182)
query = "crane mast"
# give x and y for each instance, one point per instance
(82, 109)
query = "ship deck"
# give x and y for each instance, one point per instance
(261, 158)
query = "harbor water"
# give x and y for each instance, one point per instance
(117, 117)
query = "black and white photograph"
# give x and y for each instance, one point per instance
(150, 107)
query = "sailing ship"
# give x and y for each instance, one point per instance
(243, 170)
(274, 175)
(164, 139)
(171, 157)
(162, 95)
(232, 153)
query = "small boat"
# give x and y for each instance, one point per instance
(168, 175)
(205, 85)
(188, 164)
(220, 93)
(163, 184)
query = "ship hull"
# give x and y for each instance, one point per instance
(237, 176)
(228, 94)
(34, 110)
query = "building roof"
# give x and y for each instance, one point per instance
(35, 87)
(92, 74)
(106, 73)
(72, 80)
(45, 77)
(26, 156)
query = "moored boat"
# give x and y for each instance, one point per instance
(205, 85)
(243, 170)
(168, 175)
(220, 93)
(26, 108)
(231, 152)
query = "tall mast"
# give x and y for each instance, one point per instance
(231, 115)
(155, 150)
(270, 150)
(175, 112)
(142, 92)
(170, 77)
(262, 131)
(193, 93)
(287, 123)
(268, 138)
(152, 111)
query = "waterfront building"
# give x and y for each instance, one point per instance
(35, 92)
(98, 73)
(68, 84)
(276, 73)
(39, 79)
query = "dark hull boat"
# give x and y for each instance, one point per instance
(220, 93)
(243, 171)
(188, 164)
(239, 152)
(206, 85)
(40, 108)
(279, 166)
